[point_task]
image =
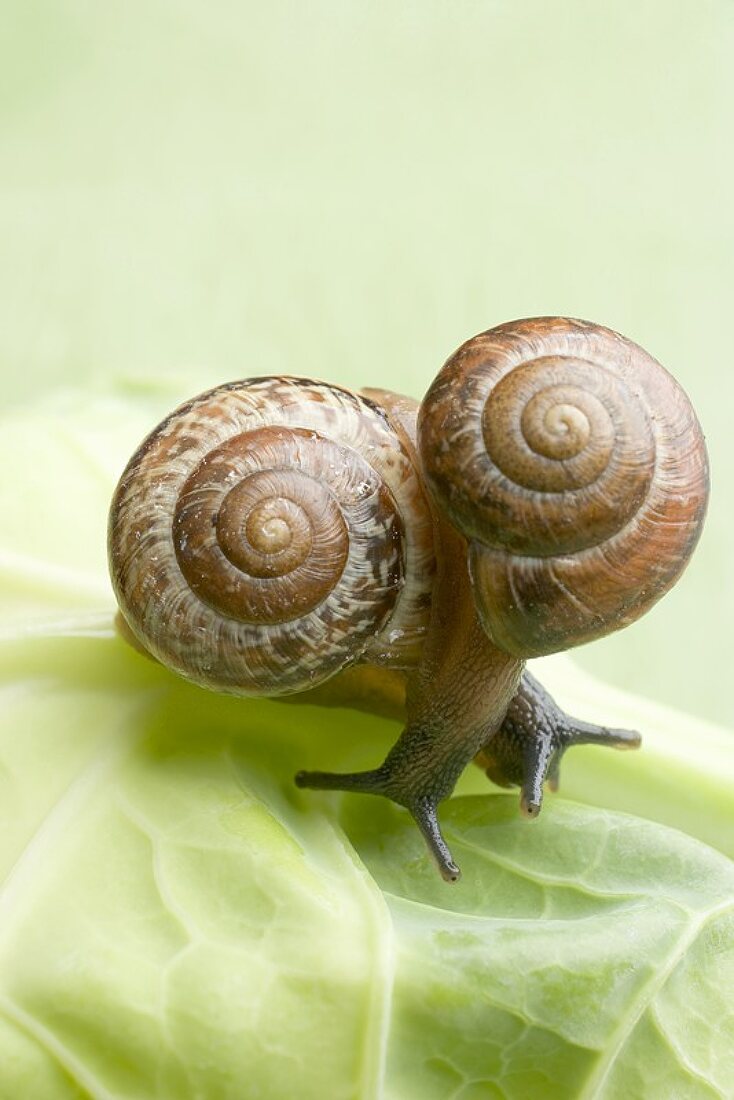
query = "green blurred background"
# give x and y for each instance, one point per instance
(194, 191)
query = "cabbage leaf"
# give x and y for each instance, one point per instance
(178, 921)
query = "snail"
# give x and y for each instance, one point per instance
(280, 536)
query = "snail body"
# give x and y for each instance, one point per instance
(278, 536)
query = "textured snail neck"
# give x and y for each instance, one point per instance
(457, 695)
(461, 687)
(460, 692)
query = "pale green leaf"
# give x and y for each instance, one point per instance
(178, 921)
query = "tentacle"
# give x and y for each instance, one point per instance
(383, 781)
(426, 819)
(539, 751)
(367, 782)
(527, 749)
(578, 732)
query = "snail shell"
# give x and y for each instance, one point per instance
(575, 466)
(269, 533)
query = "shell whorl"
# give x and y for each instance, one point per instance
(575, 466)
(260, 538)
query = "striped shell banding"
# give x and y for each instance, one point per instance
(268, 534)
(575, 466)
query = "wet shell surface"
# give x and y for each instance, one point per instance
(269, 533)
(575, 466)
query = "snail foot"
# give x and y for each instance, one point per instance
(378, 781)
(527, 749)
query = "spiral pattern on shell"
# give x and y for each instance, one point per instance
(576, 468)
(269, 533)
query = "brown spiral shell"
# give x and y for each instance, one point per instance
(269, 533)
(576, 468)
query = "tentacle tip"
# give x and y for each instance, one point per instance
(301, 779)
(530, 808)
(449, 871)
(627, 739)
